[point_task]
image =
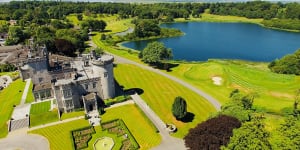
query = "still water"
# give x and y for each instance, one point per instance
(203, 40)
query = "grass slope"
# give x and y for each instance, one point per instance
(275, 91)
(159, 94)
(8, 97)
(137, 123)
(59, 136)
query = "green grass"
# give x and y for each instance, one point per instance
(72, 114)
(99, 133)
(3, 22)
(275, 91)
(159, 94)
(59, 136)
(8, 97)
(43, 118)
(206, 17)
(137, 123)
(11, 74)
(41, 107)
(30, 97)
(144, 133)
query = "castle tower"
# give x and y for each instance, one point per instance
(103, 67)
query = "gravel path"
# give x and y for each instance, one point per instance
(19, 140)
(210, 99)
(168, 142)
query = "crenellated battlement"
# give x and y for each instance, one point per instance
(103, 60)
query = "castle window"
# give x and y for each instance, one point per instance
(86, 86)
(67, 93)
(105, 74)
(94, 84)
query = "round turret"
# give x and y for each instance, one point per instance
(103, 67)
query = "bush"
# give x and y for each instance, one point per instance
(212, 134)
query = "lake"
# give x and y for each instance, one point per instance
(204, 40)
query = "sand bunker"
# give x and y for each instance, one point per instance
(217, 80)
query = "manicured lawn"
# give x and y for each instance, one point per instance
(39, 108)
(275, 91)
(59, 136)
(43, 118)
(30, 97)
(159, 94)
(8, 97)
(137, 123)
(72, 114)
(99, 133)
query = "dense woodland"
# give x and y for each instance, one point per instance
(288, 64)
(41, 12)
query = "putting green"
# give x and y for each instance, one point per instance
(104, 143)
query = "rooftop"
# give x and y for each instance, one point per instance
(90, 96)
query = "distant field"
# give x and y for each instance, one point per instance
(217, 18)
(159, 94)
(114, 24)
(8, 97)
(275, 91)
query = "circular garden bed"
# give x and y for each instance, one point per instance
(104, 143)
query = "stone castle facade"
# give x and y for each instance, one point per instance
(73, 82)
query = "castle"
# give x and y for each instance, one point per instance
(73, 82)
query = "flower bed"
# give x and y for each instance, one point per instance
(118, 127)
(82, 136)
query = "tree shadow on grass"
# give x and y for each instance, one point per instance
(165, 66)
(132, 91)
(189, 117)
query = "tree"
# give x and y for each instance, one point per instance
(64, 46)
(211, 134)
(179, 108)
(251, 135)
(146, 28)
(15, 35)
(97, 25)
(155, 52)
(289, 64)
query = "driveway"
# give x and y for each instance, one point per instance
(19, 140)
(168, 142)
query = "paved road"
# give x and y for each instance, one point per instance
(25, 92)
(22, 141)
(209, 98)
(168, 142)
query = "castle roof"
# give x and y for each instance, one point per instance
(89, 97)
(41, 86)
